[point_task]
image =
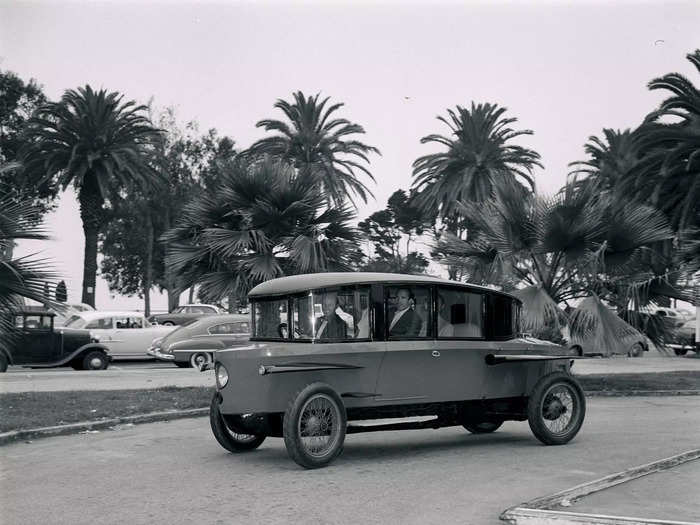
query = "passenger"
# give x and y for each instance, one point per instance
(405, 321)
(334, 323)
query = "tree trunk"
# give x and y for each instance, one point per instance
(148, 274)
(170, 284)
(90, 201)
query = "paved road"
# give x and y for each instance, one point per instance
(176, 473)
(149, 374)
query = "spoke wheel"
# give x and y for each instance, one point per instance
(199, 359)
(556, 409)
(232, 441)
(314, 426)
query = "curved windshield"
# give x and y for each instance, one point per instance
(75, 321)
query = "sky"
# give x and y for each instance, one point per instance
(565, 70)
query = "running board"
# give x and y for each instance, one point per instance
(497, 359)
(414, 423)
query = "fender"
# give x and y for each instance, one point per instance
(73, 355)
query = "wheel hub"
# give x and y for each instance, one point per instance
(553, 409)
(313, 426)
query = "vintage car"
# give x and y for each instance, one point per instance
(128, 335)
(684, 339)
(195, 343)
(34, 342)
(184, 314)
(333, 353)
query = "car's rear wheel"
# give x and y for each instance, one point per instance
(680, 351)
(556, 409)
(637, 350)
(314, 426)
(95, 360)
(199, 358)
(168, 323)
(483, 427)
(3, 363)
(227, 438)
(182, 364)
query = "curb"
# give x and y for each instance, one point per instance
(539, 510)
(74, 428)
(641, 393)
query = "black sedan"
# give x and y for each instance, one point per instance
(195, 343)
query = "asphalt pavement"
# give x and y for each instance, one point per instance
(176, 473)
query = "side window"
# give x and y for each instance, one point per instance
(46, 322)
(270, 318)
(19, 321)
(459, 313)
(128, 322)
(335, 314)
(32, 322)
(102, 324)
(503, 316)
(224, 328)
(241, 328)
(409, 312)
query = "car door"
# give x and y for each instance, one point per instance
(132, 335)
(36, 343)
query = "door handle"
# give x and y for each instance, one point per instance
(436, 353)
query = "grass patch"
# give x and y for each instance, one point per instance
(43, 409)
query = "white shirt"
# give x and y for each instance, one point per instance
(397, 316)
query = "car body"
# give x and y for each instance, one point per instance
(196, 342)
(128, 335)
(417, 351)
(631, 346)
(672, 317)
(684, 340)
(35, 342)
(184, 314)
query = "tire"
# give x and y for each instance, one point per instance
(95, 360)
(680, 351)
(302, 423)
(4, 362)
(576, 351)
(557, 399)
(182, 364)
(199, 357)
(637, 350)
(483, 427)
(168, 323)
(231, 441)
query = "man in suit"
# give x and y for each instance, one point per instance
(334, 323)
(405, 322)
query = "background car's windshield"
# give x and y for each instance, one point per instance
(75, 321)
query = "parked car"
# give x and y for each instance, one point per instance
(127, 334)
(421, 351)
(195, 343)
(632, 346)
(69, 310)
(184, 314)
(35, 342)
(672, 317)
(685, 339)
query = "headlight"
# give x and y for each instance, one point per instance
(221, 375)
(95, 337)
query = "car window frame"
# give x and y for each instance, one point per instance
(433, 321)
(460, 289)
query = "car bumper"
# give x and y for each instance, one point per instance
(159, 355)
(678, 346)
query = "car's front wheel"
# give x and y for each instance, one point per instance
(637, 350)
(314, 426)
(556, 408)
(227, 438)
(95, 360)
(483, 427)
(680, 351)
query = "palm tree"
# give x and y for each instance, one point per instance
(477, 161)
(315, 143)
(98, 143)
(575, 245)
(261, 221)
(23, 277)
(675, 147)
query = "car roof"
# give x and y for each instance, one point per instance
(199, 304)
(211, 320)
(89, 316)
(311, 281)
